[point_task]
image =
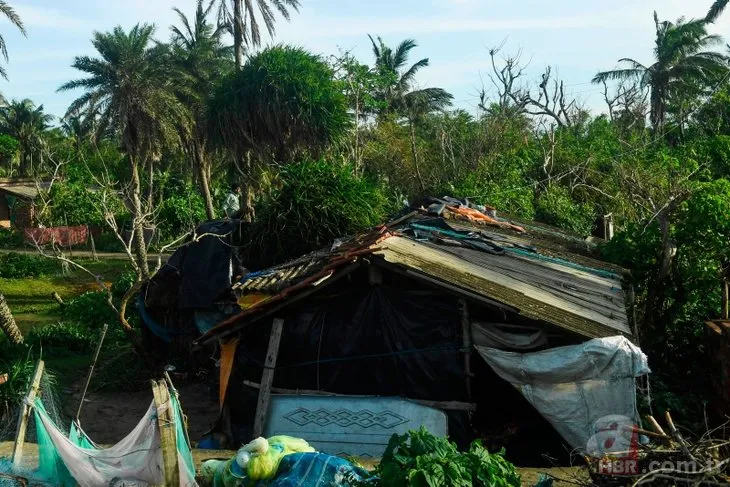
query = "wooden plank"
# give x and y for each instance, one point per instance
(168, 437)
(466, 341)
(444, 405)
(25, 410)
(267, 379)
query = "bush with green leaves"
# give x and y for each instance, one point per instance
(556, 207)
(420, 459)
(181, 210)
(19, 266)
(62, 338)
(282, 101)
(11, 239)
(76, 203)
(91, 309)
(311, 204)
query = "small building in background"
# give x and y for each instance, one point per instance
(17, 202)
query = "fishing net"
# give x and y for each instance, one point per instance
(67, 458)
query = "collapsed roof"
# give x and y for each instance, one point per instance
(536, 271)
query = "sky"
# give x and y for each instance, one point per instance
(577, 37)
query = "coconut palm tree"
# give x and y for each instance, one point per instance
(131, 85)
(199, 53)
(399, 95)
(26, 123)
(7, 323)
(240, 19)
(682, 63)
(716, 10)
(9, 12)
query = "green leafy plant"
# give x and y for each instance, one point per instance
(91, 309)
(313, 203)
(62, 338)
(10, 239)
(19, 266)
(420, 459)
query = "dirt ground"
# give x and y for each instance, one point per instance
(108, 417)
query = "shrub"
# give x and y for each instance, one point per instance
(62, 338)
(180, 211)
(313, 203)
(91, 310)
(11, 239)
(284, 99)
(419, 458)
(18, 266)
(108, 242)
(556, 207)
(74, 203)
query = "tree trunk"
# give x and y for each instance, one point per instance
(151, 183)
(655, 297)
(7, 323)
(139, 247)
(203, 173)
(238, 32)
(249, 212)
(414, 150)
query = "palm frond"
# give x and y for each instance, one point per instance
(717, 8)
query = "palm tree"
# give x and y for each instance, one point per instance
(77, 128)
(682, 64)
(131, 87)
(398, 95)
(242, 22)
(716, 10)
(14, 19)
(199, 53)
(26, 123)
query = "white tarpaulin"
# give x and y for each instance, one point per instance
(574, 387)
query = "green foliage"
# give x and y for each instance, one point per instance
(62, 339)
(91, 309)
(556, 207)
(8, 148)
(181, 209)
(75, 204)
(19, 368)
(420, 459)
(108, 242)
(284, 100)
(11, 239)
(311, 204)
(18, 266)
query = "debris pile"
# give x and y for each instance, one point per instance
(658, 457)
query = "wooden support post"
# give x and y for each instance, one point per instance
(168, 437)
(25, 410)
(267, 379)
(466, 342)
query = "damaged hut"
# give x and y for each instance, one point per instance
(448, 316)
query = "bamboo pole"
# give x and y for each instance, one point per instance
(25, 410)
(168, 437)
(91, 370)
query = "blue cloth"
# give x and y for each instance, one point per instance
(316, 470)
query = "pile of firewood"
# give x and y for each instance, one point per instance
(668, 458)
